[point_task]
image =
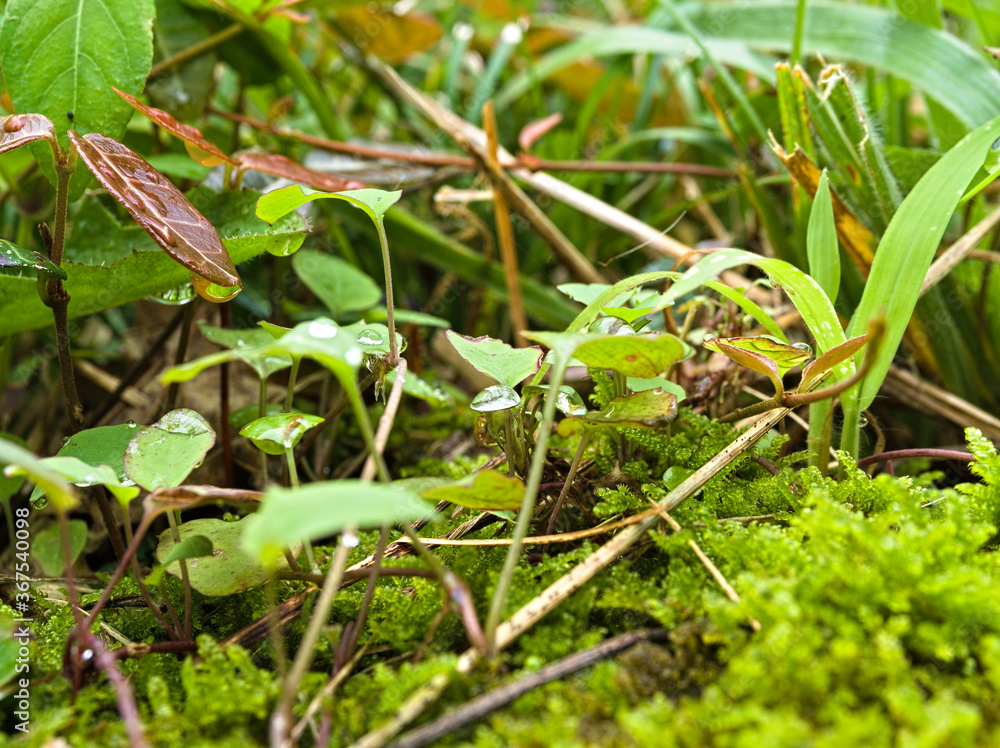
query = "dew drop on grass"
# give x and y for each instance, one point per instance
(862, 421)
(131, 424)
(350, 539)
(497, 397)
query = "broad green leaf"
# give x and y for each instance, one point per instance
(406, 317)
(275, 434)
(47, 546)
(653, 408)
(101, 445)
(79, 473)
(288, 516)
(375, 203)
(638, 385)
(17, 260)
(17, 457)
(241, 417)
(640, 356)
(64, 56)
(908, 246)
(494, 398)
(132, 276)
(245, 344)
(486, 490)
(821, 242)
(164, 454)
(337, 283)
(229, 569)
(625, 313)
(494, 358)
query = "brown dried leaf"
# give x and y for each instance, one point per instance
(159, 207)
(199, 148)
(280, 166)
(191, 496)
(18, 129)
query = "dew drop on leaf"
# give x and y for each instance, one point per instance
(211, 292)
(177, 296)
(131, 424)
(322, 329)
(371, 337)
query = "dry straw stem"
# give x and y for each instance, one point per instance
(909, 388)
(474, 141)
(560, 590)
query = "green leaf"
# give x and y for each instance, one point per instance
(47, 546)
(275, 434)
(485, 490)
(65, 55)
(229, 569)
(134, 276)
(625, 313)
(246, 345)
(908, 246)
(653, 408)
(938, 63)
(318, 510)
(337, 283)
(765, 355)
(17, 457)
(80, 473)
(375, 203)
(162, 455)
(494, 358)
(821, 242)
(494, 398)
(14, 260)
(640, 356)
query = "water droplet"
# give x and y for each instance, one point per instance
(211, 292)
(65, 440)
(570, 403)
(371, 337)
(710, 338)
(182, 294)
(131, 424)
(350, 539)
(862, 421)
(323, 329)
(497, 397)
(327, 470)
(805, 347)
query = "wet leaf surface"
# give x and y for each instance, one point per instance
(15, 259)
(159, 207)
(229, 569)
(486, 490)
(162, 455)
(496, 359)
(274, 434)
(18, 129)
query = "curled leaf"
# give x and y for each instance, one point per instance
(18, 129)
(202, 150)
(15, 259)
(159, 207)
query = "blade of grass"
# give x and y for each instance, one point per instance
(904, 256)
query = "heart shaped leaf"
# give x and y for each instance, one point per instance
(375, 203)
(337, 283)
(246, 345)
(485, 490)
(228, 569)
(47, 546)
(289, 515)
(202, 150)
(494, 358)
(162, 455)
(653, 408)
(633, 355)
(275, 434)
(159, 207)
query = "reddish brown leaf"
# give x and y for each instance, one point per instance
(159, 207)
(18, 129)
(535, 130)
(199, 148)
(279, 166)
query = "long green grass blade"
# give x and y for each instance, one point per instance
(821, 242)
(908, 246)
(939, 64)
